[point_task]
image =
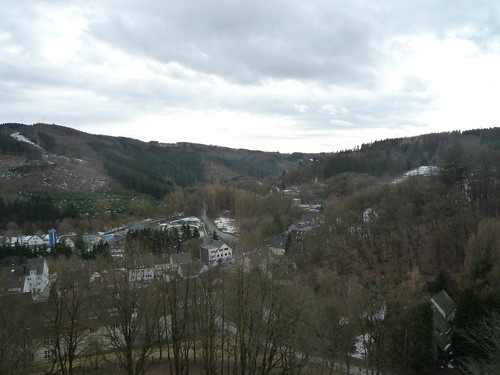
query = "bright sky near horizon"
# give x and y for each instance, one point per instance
(280, 75)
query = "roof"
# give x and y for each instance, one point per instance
(279, 242)
(310, 217)
(35, 263)
(192, 269)
(444, 304)
(180, 258)
(302, 226)
(12, 277)
(137, 225)
(210, 243)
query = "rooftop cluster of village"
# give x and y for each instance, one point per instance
(34, 277)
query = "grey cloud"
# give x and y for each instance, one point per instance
(247, 42)
(223, 54)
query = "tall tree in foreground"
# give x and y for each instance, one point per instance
(480, 294)
(210, 321)
(68, 317)
(16, 345)
(174, 306)
(130, 318)
(485, 335)
(409, 330)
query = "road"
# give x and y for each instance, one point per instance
(210, 227)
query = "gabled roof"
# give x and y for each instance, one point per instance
(193, 269)
(35, 264)
(180, 258)
(279, 242)
(210, 243)
(444, 304)
(301, 226)
(310, 217)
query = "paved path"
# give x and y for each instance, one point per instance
(210, 226)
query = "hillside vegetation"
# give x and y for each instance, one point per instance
(389, 235)
(55, 158)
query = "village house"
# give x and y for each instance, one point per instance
(140, 275)
(177, 259)
(304, 225)
(37, 272)
(33, 240)
(443, 313)
(33, 276)
(191, 270)
(278, 245)
(67, 240)
(215, 252)
(13, 280)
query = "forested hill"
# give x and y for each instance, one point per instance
(50, 157)
(45, 157)
(391, 157)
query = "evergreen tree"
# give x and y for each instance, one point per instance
(214, 235)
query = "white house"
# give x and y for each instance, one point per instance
(278, 245)
(141, 275)
(33, 276)
(37, 273)
(215, 252)
(66, 240)
(35, 240)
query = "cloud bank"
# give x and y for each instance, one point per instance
(280, 76)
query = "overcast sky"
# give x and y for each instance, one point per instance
(273, 75)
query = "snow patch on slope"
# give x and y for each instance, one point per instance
(21, 138)
(424, 170)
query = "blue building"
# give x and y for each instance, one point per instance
(52, 237)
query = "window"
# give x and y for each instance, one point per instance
(49, 354)
(30, 357)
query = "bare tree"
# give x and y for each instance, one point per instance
(130, 317)
(175, 305)
(485, 336)
(68, 317)
(267, 314)
(17, 340)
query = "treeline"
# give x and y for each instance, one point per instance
(159, 242)
(255, 168)
(18, 251)
(149, 169)
(11, 146)
(249, 320)
(47, 142)
(395, 156)
(444, 227)
(422, 219)
(34, 209)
